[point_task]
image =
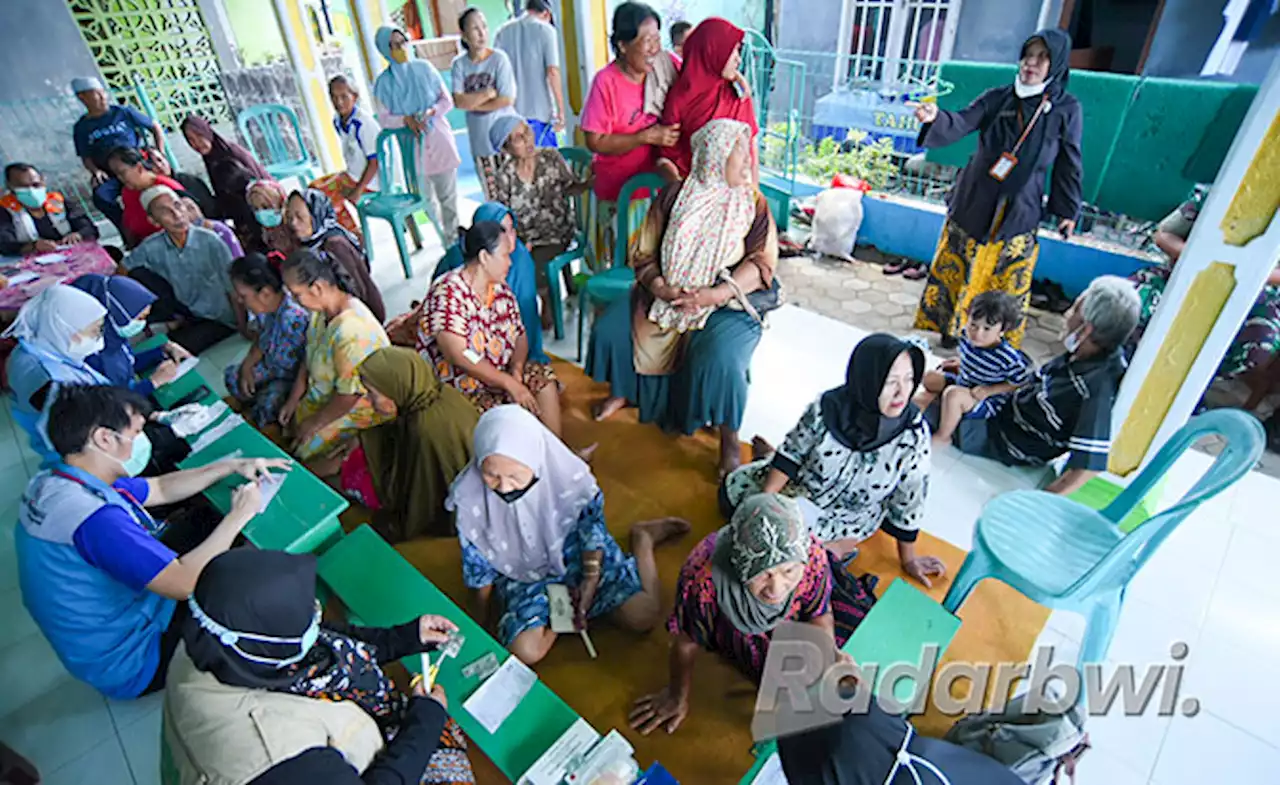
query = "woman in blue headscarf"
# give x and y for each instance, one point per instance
(128, 303)
(522, 277)
(411, 94)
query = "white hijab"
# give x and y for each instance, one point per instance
(52, 318)
(524, 539)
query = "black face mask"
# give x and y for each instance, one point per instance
(511, 497)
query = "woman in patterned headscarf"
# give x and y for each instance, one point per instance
(311, 217)
(680, 346)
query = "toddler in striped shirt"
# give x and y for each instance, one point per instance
(979, 381)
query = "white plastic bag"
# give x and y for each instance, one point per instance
(837, 216)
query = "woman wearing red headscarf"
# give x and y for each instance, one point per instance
(710, 87)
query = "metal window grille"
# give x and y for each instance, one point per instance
(894, 44)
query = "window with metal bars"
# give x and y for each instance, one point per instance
(894, 45)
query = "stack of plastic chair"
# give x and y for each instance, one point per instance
(614, 282)
(1065, 555)
(280, 163)
(398, 203)
(579, 160)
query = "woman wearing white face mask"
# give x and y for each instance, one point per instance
(1025, 130)
(57, 331)
(128, 303)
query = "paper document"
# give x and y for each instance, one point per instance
(184, 368)
(193, 418)
(23, 277)
(562, 612)
(494, 701)
(49, 258)
(771, 772)
(553, 766)
(269, 485)
(215, 433)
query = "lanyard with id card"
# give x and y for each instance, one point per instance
(1005, 163)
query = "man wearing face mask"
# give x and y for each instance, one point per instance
(35, 219)
(1066, 408)
(94, 568)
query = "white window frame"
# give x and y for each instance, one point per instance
(896, 36)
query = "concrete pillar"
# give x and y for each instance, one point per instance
(219, 27)
(1233, 247)
(367, 15)
(309, 74)
(584, 26)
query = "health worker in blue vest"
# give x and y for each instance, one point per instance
(94, 568)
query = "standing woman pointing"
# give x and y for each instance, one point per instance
(989, 239)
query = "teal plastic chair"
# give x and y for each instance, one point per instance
(1065, 555)
(394, 204)
(614, 282)
(280, 162)
(579, 160)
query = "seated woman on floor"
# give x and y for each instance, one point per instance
(264, 378)
(267, 200)
(525, 487)
(472, 333)
(860, 453)
(128, 303)
(679, 348)
(536, 183)
(57, 331)
(37, 220)
(403, 468)
(329, 405)
(292, 699)
(315, 226)
(137, 174)
(739, 583)
(521, 276)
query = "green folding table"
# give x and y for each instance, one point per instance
(303, 516)
(381, 589)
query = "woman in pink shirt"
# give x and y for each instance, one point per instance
(622, 135)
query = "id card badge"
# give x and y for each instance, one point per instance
(1002, 167)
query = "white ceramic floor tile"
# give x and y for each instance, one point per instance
(141, 742)
(1099, 768)
(15, 623)
(1253, 503)
(1146, 634)
(1206, 749)
(28, 669)
(1181, 574)
(8, 560)
(1136, 742)
(61, 725)
(126, 713)
(103, 765)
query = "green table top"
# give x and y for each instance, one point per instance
(169, 394)
(382, 589)
(301, 518)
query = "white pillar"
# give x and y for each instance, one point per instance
(1233, 247)
(367, 15)
(308, 72)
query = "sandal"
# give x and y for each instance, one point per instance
(898, 267)
(918, 271)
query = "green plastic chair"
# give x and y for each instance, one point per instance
(614, 282)
(1063, 554)
(393, 204)
(280, 162)
(579, 159)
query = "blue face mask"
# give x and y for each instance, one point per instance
(139, 454)
(32, 197)
(132, 328)
(269, 218)
(231, 638)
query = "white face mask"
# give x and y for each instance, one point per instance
(1023, 90)
(81, 348)
(1072, 341)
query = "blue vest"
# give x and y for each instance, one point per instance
(105, 633)
(31, 368)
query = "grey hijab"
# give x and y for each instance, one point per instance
(766, 530)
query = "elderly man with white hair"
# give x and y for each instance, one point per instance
(188, 269)
(1066, 407)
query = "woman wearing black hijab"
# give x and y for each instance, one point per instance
(860, 454)
(863, 750)
(261, 692)
(1024, 130)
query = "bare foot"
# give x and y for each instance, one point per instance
(658, 531)
(587, 452)
(608, 408)
(760, 449)
(730, 459)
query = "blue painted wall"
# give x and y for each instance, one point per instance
(1188, 30)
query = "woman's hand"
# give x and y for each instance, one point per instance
(1066, 228)
(71, 239)
(660, 135)
(176, 352)
(927, 111)
(520, 394)
(693, 300)
(245, 501)
(434, 629)
(662, 290)
(665, 709)
(257, 468)
(436, 694)
(164, 373)
(414, 124)
(98, 177)
(246, 381)
(950, 365)
(583, 596)
(922, 567)
(307, 431)
(45, 246)
(287, 411)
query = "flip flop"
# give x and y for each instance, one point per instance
(898, 267)
(918, 271)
